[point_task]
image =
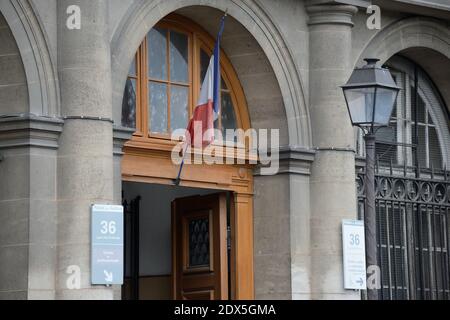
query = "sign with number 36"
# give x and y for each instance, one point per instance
(354, 254)
(107, 244)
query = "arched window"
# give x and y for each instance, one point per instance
(410, 199)
(418, 134)
(165, 77)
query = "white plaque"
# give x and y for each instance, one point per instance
(354, 255)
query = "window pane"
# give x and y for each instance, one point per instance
(386, 153)
(178, 107)
(421, 148)
(387, 134)
(157, 53)
(178, 57)
(129, 105)
(420, 107)
(422, 110)
(434, 149)
(228, 116)
(132, 72)
(158, 107)
(204, 64)
(386, 144)
(224, 85)
(199, 242)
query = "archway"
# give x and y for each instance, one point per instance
(254, 22)
(38, 61)
(423, 40)
(416, 147)
(147, 158)
(277, 102)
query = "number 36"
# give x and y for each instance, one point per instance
(108, 227)
(354, 240)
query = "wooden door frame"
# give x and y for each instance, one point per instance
(154, 166)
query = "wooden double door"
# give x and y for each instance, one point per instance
(199, 247)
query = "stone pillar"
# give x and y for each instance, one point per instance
(281, 228)
(85, 159)
(333, 188)
(296, 162)
(121, 136)
(28, 162)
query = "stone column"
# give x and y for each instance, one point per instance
(121, 136)
(85, 159)
(28, 162)
(333, 188)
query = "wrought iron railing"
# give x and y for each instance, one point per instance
(413, 212)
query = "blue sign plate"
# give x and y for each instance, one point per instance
(107, 245)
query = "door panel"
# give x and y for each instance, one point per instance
(199, 248)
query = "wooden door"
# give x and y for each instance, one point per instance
(199, 248)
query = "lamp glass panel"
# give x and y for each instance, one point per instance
(386, 99)
(360, 103)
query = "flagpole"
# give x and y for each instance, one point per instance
(177, 181)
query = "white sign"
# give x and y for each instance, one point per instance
(107, 245)
(354, 255)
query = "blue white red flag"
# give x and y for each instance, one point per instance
(201, 126)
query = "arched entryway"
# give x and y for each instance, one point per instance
(272, 88)
(161, 91)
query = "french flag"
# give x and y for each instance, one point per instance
(201, 126)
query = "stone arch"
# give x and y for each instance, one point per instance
(38, 62)
(426, 41)
(143, 15)
(13, 89)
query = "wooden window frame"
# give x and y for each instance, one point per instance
(198, 40)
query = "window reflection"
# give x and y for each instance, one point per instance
(179, 107)
(157, 53)
(158, 107)
(129, 104)
(204, 64)
(178, 57)
(228, 117)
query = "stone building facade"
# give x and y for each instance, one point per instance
(62, 139)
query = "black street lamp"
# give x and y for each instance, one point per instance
(370, 95)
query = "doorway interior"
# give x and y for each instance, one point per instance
(177, 242)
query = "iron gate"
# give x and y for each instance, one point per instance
(413, 209)
(130, 289)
